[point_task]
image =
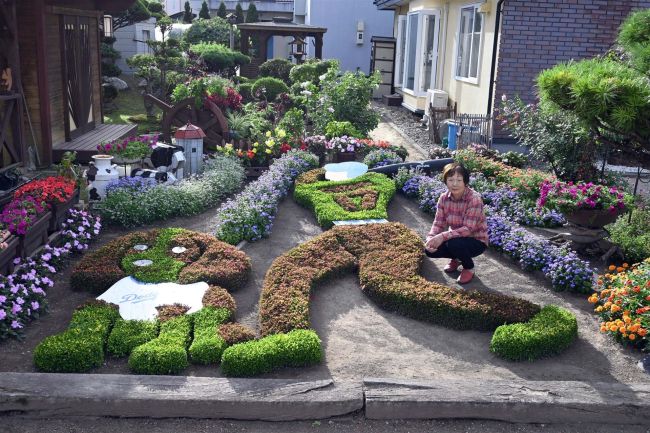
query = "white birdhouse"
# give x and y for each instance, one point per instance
(191, 138)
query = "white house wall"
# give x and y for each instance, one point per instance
(340, 17)
(129, 41)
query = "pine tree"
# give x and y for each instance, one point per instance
(222, 11)
(239, 13)
(187, 15)
(205, 12)
(251, 14)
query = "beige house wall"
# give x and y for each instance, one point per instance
(471, 97)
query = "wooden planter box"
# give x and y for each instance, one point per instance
(8, 255)
(60, 211)
(35, 236)
(345, 156)
(256, 171)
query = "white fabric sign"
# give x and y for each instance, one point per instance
(138, 300)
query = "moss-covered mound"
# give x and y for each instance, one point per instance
(364, 197)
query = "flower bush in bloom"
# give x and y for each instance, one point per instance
(623, 303)
(343, 144)
(567, 197)
(136, 147)
(21, 213)
(249, 215)
(368, 145)
(53, 189)
(381, 157)
(23, 293)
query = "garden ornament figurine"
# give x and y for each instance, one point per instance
(459, 230)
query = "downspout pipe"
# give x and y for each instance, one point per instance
(495, 46)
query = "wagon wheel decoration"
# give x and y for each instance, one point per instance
(209, 118)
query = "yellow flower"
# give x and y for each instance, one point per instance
(281, 133)
(270, 142)
(268, 151)
(254, 150)
(268, 134)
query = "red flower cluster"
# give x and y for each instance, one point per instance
(232, 99)
(50, 190)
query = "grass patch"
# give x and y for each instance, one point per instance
(130, 109)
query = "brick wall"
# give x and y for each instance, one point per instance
(536, 35)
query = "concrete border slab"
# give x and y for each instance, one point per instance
(511, 401)
(64, 395)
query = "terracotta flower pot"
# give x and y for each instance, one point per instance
(593, 218)
(35, 237)
(60, 211)
(8, 254)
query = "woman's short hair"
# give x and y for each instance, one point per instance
(455, 168)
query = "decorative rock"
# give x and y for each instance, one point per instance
(344, 170)
(179, 250)
(143, 263)
(117, 83)
(140, 247)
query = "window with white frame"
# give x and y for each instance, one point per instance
(418, 66)
(470, 32)
(146, 36)
(401, 49)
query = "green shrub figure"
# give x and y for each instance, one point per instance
(277, 68)
(129, 334)
(81, 347)
(297, 348)
(269, 88)
(166, 354)
(218, 57)
(208, 346)
(549, 332)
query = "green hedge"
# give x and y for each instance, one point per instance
(208, 345)
(327, 210)
(81, 347)
(164, 267)
(550, 332)
(166, 354)
(129, 334)
(297, 348)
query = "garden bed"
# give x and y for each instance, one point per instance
(359, 338)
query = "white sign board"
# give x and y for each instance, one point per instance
(138, 301)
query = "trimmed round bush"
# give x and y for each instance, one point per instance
(269, 87)
(549, 332)
(246, 92)
(218, 57)
(81, 347)
(277, 68)
(166, 354)
(129, 334)
(298, 348)
(208, 345)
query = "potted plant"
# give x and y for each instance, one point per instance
(28, 219)
(344, 148)
(8, 251)
(129, 150)
(584, 204)
(58, 192)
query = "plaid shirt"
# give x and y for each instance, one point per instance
(464, 217)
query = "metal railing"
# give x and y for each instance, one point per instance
(472, 128)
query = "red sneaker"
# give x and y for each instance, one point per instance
(452, 266)
(465, 276)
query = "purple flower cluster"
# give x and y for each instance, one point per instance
(131, 184)
(22, 294)
(507, 202)
(430, 191)
(249, 215)
(343, 144)
(562, 266)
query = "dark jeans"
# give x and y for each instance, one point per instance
(462, 249)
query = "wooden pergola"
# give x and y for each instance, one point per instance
(264, 30)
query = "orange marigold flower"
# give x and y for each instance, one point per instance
(611, 267)
(642, 332)
(620, 269)
(632, 337)
(625, 265)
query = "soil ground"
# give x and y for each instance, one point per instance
(361, 340)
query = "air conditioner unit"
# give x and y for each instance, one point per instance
(437, 98)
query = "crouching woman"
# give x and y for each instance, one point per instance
(459, 230)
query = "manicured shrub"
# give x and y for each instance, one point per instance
(126, 335)
(218, 57)
(215, 30)
(166, 354)
(205, 259)
(246, 92)
(550, 332)
(235, 333)
(363, 197)
(219, 298)
(297, 348)
(277, 68)
(311, 176)
(81, 347)
(269, 88)
(208, 345)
